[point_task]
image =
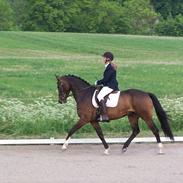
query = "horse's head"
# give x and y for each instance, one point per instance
(63, 89)
(72, 83)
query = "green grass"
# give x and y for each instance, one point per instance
(29, 61)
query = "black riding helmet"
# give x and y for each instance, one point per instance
(108, 55)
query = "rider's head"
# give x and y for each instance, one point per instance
(108, 57)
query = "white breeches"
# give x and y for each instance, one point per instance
(103, 92)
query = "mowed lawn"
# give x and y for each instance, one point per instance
(30, 60)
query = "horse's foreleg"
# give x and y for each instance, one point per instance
(77, 126)
(133, 119)
(99, 132)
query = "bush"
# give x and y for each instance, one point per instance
(6, 16)
(170, 27)
(140, 16)
(45, 117)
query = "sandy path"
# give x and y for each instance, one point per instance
(87, 164)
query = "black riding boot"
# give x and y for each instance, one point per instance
(103, 116)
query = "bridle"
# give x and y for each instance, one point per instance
(63, 94)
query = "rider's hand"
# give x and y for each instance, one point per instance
(95, 82)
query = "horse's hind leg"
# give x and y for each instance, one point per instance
(133, 119)
(155, 131)
(99, 132)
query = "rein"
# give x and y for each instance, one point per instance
(86, 88)
(97, 87)
(70, 95)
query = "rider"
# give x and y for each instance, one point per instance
(109, 83)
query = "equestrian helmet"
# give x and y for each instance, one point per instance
(108, 55)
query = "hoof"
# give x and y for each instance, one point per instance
(161, 153)
(106, 152)
(64, 147)
(65, 144)
(160, 145)
(124, 150)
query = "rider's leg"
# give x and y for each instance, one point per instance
(104, 91)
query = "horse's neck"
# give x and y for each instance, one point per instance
(78, 85)
(79, 89)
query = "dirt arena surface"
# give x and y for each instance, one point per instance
(88, 164)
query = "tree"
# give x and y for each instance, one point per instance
(163, 7)
(20, 11)
(6, 18)
(109, 17)
(46, 15)
(102, 16)
(140, 16)
(177, 7)
(84, 17)
(171, 26)
(168, 8)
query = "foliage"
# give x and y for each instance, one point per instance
(175, 111)
(99, 16)
(20, 9)
(41, 116)
(110, 18)
(171, 12)
(171, 26)
(168, 8)
(46, 15)
(141, 16)
(77, 16)
(45, 117)
(6, 21)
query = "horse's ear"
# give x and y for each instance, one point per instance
(57, 77)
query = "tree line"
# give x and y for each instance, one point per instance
(147, 17)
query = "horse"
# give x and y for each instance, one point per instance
(132, 103)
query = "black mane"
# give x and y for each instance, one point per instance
(77, 77)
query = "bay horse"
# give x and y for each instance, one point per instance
(132, 103)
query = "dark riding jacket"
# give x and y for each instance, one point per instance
(109, 78)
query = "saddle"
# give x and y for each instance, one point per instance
(111, 99)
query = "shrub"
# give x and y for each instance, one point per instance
(171, 26)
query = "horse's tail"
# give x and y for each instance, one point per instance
(162, 116)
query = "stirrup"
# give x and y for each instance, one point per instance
(103, 118)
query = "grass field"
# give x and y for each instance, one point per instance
(29, 61)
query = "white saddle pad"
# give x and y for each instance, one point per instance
(112, 100)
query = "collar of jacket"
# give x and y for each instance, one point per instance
(106, 65)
